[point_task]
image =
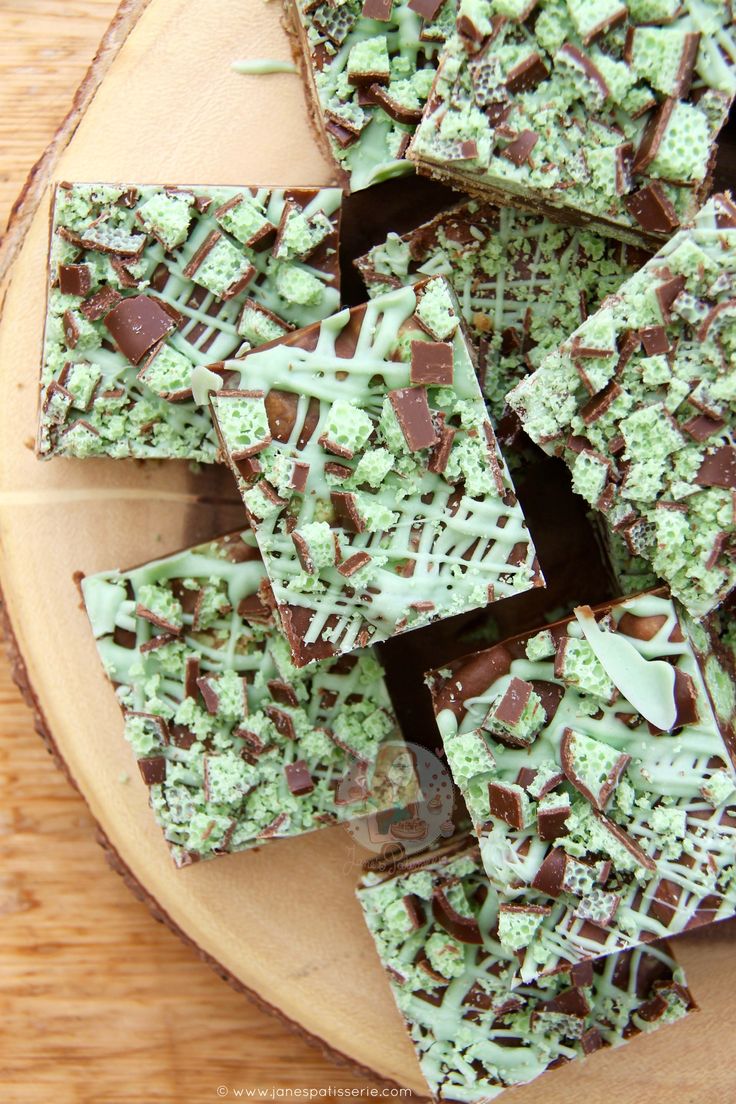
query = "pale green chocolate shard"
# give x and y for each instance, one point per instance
(236, 745)
(583, 110)
(408, 476)
(619, 824)
(476, 1029)
(148, 285)
(263, 66)
(653, 449)
(649, 684)
(523, 282)
(345, 57)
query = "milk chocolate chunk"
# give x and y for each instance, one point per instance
(520, 149)
(652, 209)
(100, 304)
(153, 770)
(431, 363)
(654, 132)
(583, 819)
(506, 804)
(167, 284)
(463, 928)
(412, 412)
(552, 821)
(428, 9)
(550, 878)
(527, 74)
(75, 279)
(298, 778)
(410, 496)
(377, 9)
(655, 340)
(239, 743)
(394, 108)
(718, 468)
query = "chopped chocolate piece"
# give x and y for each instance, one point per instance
(100, 304)
(75, 279)
(412, 412)
(507, 803)
(527, 74)
(550, 878)
(552, 821)
(463, 928)
(377, 9)
(428, 9)
(652, 209)
(153, 770)
(354, 563)
(394, 108)
(239, 742)
(431, 363)
(298, 778)
(519, 150)
(718, 469)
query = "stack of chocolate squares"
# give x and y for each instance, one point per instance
(592, 738)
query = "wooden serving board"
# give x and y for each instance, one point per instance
(162, 105)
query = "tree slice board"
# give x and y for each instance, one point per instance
(161, 104)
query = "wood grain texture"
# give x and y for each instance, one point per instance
(98, 1004)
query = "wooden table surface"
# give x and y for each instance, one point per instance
(98, 1004)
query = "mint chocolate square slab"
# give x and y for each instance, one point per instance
(368, 66)
(596, 759)
(371, 474)
(476, 1032)
(148, 284)
(594, 112)
(236, 745)
(640, 402)
(523, 282)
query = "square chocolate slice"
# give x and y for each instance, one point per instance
(435, 924)
(379, 504)
(640, 402)
(236, 746)
(593, 112)
(596, 759)
(149, 284)
(523, 282)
